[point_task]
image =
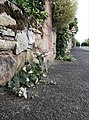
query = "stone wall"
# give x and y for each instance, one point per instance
(15, 50)
(18, 41)
(49, 36)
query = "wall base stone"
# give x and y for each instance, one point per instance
(8, 67)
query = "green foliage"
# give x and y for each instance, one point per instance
(77, 43)
(63, 13)
(27, 77)
(73, 40)
(32, 8)
(66, 57)
(62, 39)
(85, 43)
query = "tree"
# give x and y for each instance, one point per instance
(85, 43)
(77, 43)
(63, 13)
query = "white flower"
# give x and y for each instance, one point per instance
(43, 55)
(44, 75)
(24, 92)
(30, 71)
(36, 80)
(27, 79)
(24, 68)
(20, 93)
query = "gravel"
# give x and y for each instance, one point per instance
(62, 95)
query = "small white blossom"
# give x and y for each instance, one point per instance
(36, 80)
(20, 93)
(27, 79)
(44, 75)
(30, 71)
(24, 68)
(43, 55)
(24, 92)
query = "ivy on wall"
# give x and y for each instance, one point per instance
(62, 40)
(33, 8)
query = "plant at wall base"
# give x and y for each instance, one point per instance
(27, 77)
(66, 57)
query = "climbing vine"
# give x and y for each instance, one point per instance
(32, 8)
(62, 39)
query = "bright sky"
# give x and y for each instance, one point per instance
(83, 20)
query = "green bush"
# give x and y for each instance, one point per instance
(66, 57)
(85, 43)
(77, 43)
(62, 40)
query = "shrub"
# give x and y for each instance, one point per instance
(27, 77)
(77, 43)
(66, 57)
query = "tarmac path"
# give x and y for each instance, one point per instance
(67, 99)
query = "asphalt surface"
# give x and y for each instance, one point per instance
(67, 99)
(85, 48)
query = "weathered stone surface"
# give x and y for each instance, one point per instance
(7, 32)
(8, 67)
(29, 55)
(31, 37)
(6, 20)
(69, 47)
(8, 38)
(22, 42)
(54, 43)
(7, 45)
(2, 1)
(38, 41)
(21, 59)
